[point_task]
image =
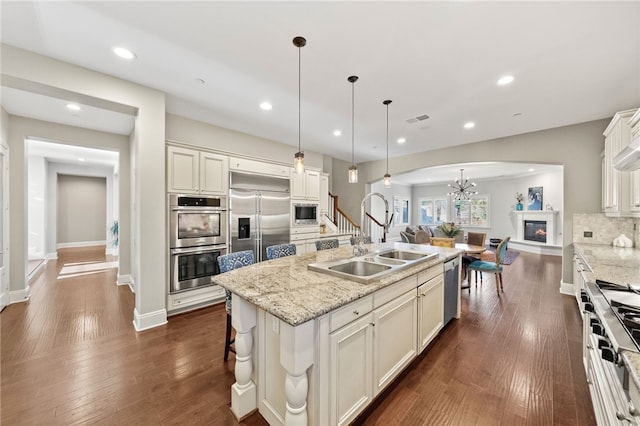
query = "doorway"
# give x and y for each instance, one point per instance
(73, 198)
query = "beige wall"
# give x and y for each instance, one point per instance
(576, 147)
(82, 209)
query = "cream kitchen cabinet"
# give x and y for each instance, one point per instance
(304, 238)
(305, 186)
(617, 189)
(430, 309)
(324, 194)
(259, 167)
(368, 353)
(634, 124)
(190, 171)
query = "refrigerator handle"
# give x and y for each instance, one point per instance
(258, 253)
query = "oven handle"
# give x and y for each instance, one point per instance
(192, 209)
(196, 250)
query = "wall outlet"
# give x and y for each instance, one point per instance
(587, 234)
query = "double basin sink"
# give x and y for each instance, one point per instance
(372, 266)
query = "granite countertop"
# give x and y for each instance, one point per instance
(285, 288)
(632, 362)
(619, 265)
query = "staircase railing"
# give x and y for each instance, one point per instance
(343, 222)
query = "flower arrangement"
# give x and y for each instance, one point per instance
(450, 229)
(519, 197)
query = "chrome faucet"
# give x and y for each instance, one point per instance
(387, 221)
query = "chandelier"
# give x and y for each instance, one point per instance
(460, 189)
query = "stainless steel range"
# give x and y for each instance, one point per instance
(611, 326)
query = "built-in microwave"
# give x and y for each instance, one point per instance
(305, 214)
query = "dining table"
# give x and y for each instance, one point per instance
(471, 250)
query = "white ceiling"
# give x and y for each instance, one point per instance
(572, 61)
(70, 154)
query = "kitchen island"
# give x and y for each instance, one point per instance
(313, 348)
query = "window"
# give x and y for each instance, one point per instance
(473, 212)
(433, 211)
(400, 211)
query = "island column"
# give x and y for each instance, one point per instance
(243, 391)
(296, 356)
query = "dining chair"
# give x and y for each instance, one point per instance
(229, 262)
(360, 240)
(327, 244)
(476, 239)
(493, 267)
(281, 250)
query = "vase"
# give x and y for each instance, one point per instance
(519, 206)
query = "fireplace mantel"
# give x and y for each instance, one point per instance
(547, 215)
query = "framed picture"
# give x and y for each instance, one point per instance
(535, 198)
(400, 211)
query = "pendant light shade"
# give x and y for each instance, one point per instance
(298, 160)
(353, 170)
(387, 177)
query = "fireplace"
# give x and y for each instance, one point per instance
(535, 230)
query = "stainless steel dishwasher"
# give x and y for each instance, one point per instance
(451, 289)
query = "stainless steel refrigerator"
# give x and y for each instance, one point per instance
(259, 208)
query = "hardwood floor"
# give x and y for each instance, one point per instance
(71, 356)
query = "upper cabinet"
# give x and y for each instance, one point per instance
(305, 186)
(190, 171)
(259, 167)
(617, 195)
(324, 194)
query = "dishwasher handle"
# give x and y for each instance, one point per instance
(451, 264)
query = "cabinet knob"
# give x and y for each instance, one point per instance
(356, 313)
(372, 324)
(621, 416)
(632, 410)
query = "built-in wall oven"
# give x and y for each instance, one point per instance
(197, 236)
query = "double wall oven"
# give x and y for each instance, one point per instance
(197, 236)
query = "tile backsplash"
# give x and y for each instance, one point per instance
(603, 229)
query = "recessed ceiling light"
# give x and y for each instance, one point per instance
(402, 140)
(200, 80)
(517, 114)
(504, 80)
(266, 106)
(530, 169)
(124, 53)
(337, 133)
(73, 107)
(80, 159)
(469, 125)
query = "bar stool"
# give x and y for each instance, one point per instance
(229, 262)
(281, 250)
(327, 244)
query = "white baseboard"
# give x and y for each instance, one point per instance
(5, 299)
(567, 288)
(38, 268)
(51, 256)
(18, 296)
(146, 321)
(126, 280)
(81, 244)
(113, 251)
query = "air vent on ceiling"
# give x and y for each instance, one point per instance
(417, 119)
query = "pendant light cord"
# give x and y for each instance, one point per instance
(353, 108)
(387, 138)
(299, 95)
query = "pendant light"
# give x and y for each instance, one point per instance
(298, 161)
(462, 188)
(353, 170)
(387, 176)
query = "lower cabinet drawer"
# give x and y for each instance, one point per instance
(350, 312)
